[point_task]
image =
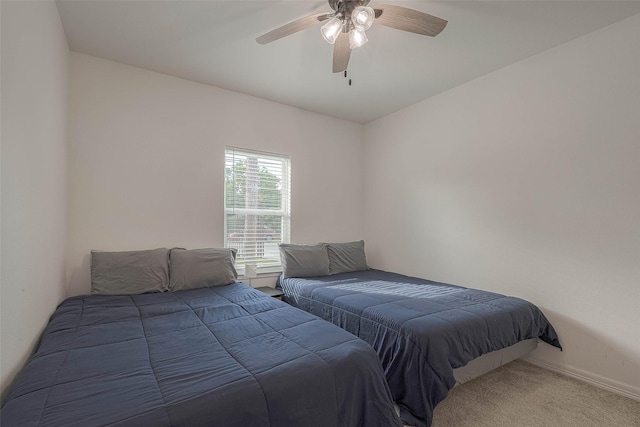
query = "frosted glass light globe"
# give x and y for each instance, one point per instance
(362, 17)
(331, 30)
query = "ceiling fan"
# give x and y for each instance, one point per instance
(346, 25)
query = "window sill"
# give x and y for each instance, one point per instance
(262, 273)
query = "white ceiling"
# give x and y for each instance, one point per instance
(213, 42)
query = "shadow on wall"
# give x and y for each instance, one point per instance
(80, 278)
(610, 364)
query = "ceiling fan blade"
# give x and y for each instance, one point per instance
(341, 53)
(293, 27)
(413, 21)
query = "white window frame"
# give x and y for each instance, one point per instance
(284, 212)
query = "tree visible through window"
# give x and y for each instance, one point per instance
(256, 203)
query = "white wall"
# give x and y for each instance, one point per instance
(35, 75)
(526, 182)
(146, 162)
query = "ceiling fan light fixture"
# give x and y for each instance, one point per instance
(362, 17)
(357, 38)
(349, 21)
(331, 30)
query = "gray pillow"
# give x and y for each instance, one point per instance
(304, 260)
(202, 268)
(128, 273)
(347, 257)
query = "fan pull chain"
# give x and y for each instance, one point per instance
(345, 76)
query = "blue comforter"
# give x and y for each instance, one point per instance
(224, 356)
(421, 330)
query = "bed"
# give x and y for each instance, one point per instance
(428, 335)
(224, 355)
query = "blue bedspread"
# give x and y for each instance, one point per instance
(224, 356)
(421, 330)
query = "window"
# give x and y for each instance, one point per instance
(256, 206)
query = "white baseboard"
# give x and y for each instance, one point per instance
(613, 386)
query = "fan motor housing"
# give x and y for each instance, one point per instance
(341, 5)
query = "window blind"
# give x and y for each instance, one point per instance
(256, 205)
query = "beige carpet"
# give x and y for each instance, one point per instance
(520, 394)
